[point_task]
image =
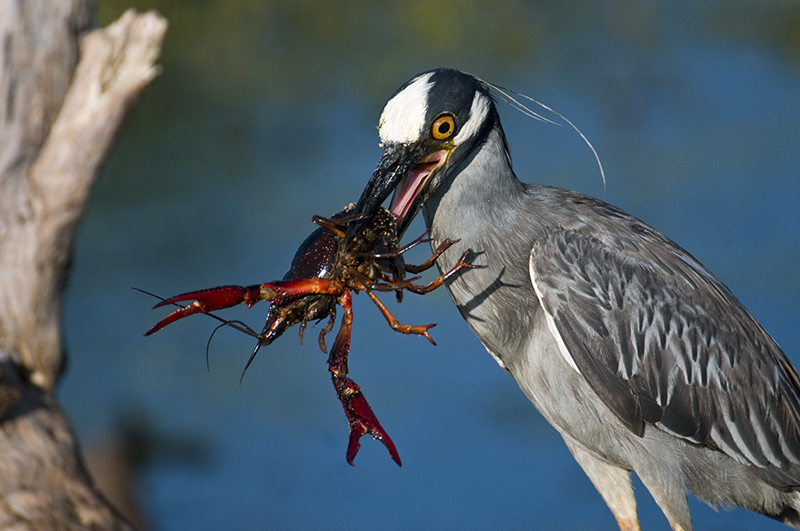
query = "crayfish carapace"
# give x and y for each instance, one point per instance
(322, 276)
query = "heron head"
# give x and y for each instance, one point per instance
(427, 129)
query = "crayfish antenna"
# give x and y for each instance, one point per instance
(235, 324)
(208, 344)
(249, 361)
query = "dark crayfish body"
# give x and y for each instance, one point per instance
(373, 255)
(322, 276)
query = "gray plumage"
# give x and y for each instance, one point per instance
(637, 355)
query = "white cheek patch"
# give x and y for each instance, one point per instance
(403, 118)
(477, 115)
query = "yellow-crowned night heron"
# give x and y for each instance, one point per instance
(629, 347)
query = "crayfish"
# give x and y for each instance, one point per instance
(323, 274)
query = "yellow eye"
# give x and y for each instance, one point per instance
(443, 127)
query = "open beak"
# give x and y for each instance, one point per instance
(404, 169)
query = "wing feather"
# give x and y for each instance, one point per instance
(663, 343)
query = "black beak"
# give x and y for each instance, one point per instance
(395, 163)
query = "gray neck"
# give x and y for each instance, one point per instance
(475, 202)
(484, 207)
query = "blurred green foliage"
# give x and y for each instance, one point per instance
(282, 46)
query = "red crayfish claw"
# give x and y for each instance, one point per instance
(360, 417)
(362, 420)
(211, 299)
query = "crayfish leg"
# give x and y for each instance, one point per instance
(338, 220)
(427, 264)
(397, 326)
(324, 332)
(329, 224)
(360, 416)
(437, 282)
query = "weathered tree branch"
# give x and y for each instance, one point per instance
(63, 96)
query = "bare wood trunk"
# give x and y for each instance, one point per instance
(64, 92)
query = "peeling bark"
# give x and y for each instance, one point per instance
(64, 92)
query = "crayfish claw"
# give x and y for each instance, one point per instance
(208, 300)
(362, 421)
(360, 417)
(174, 316)
(354, 444)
